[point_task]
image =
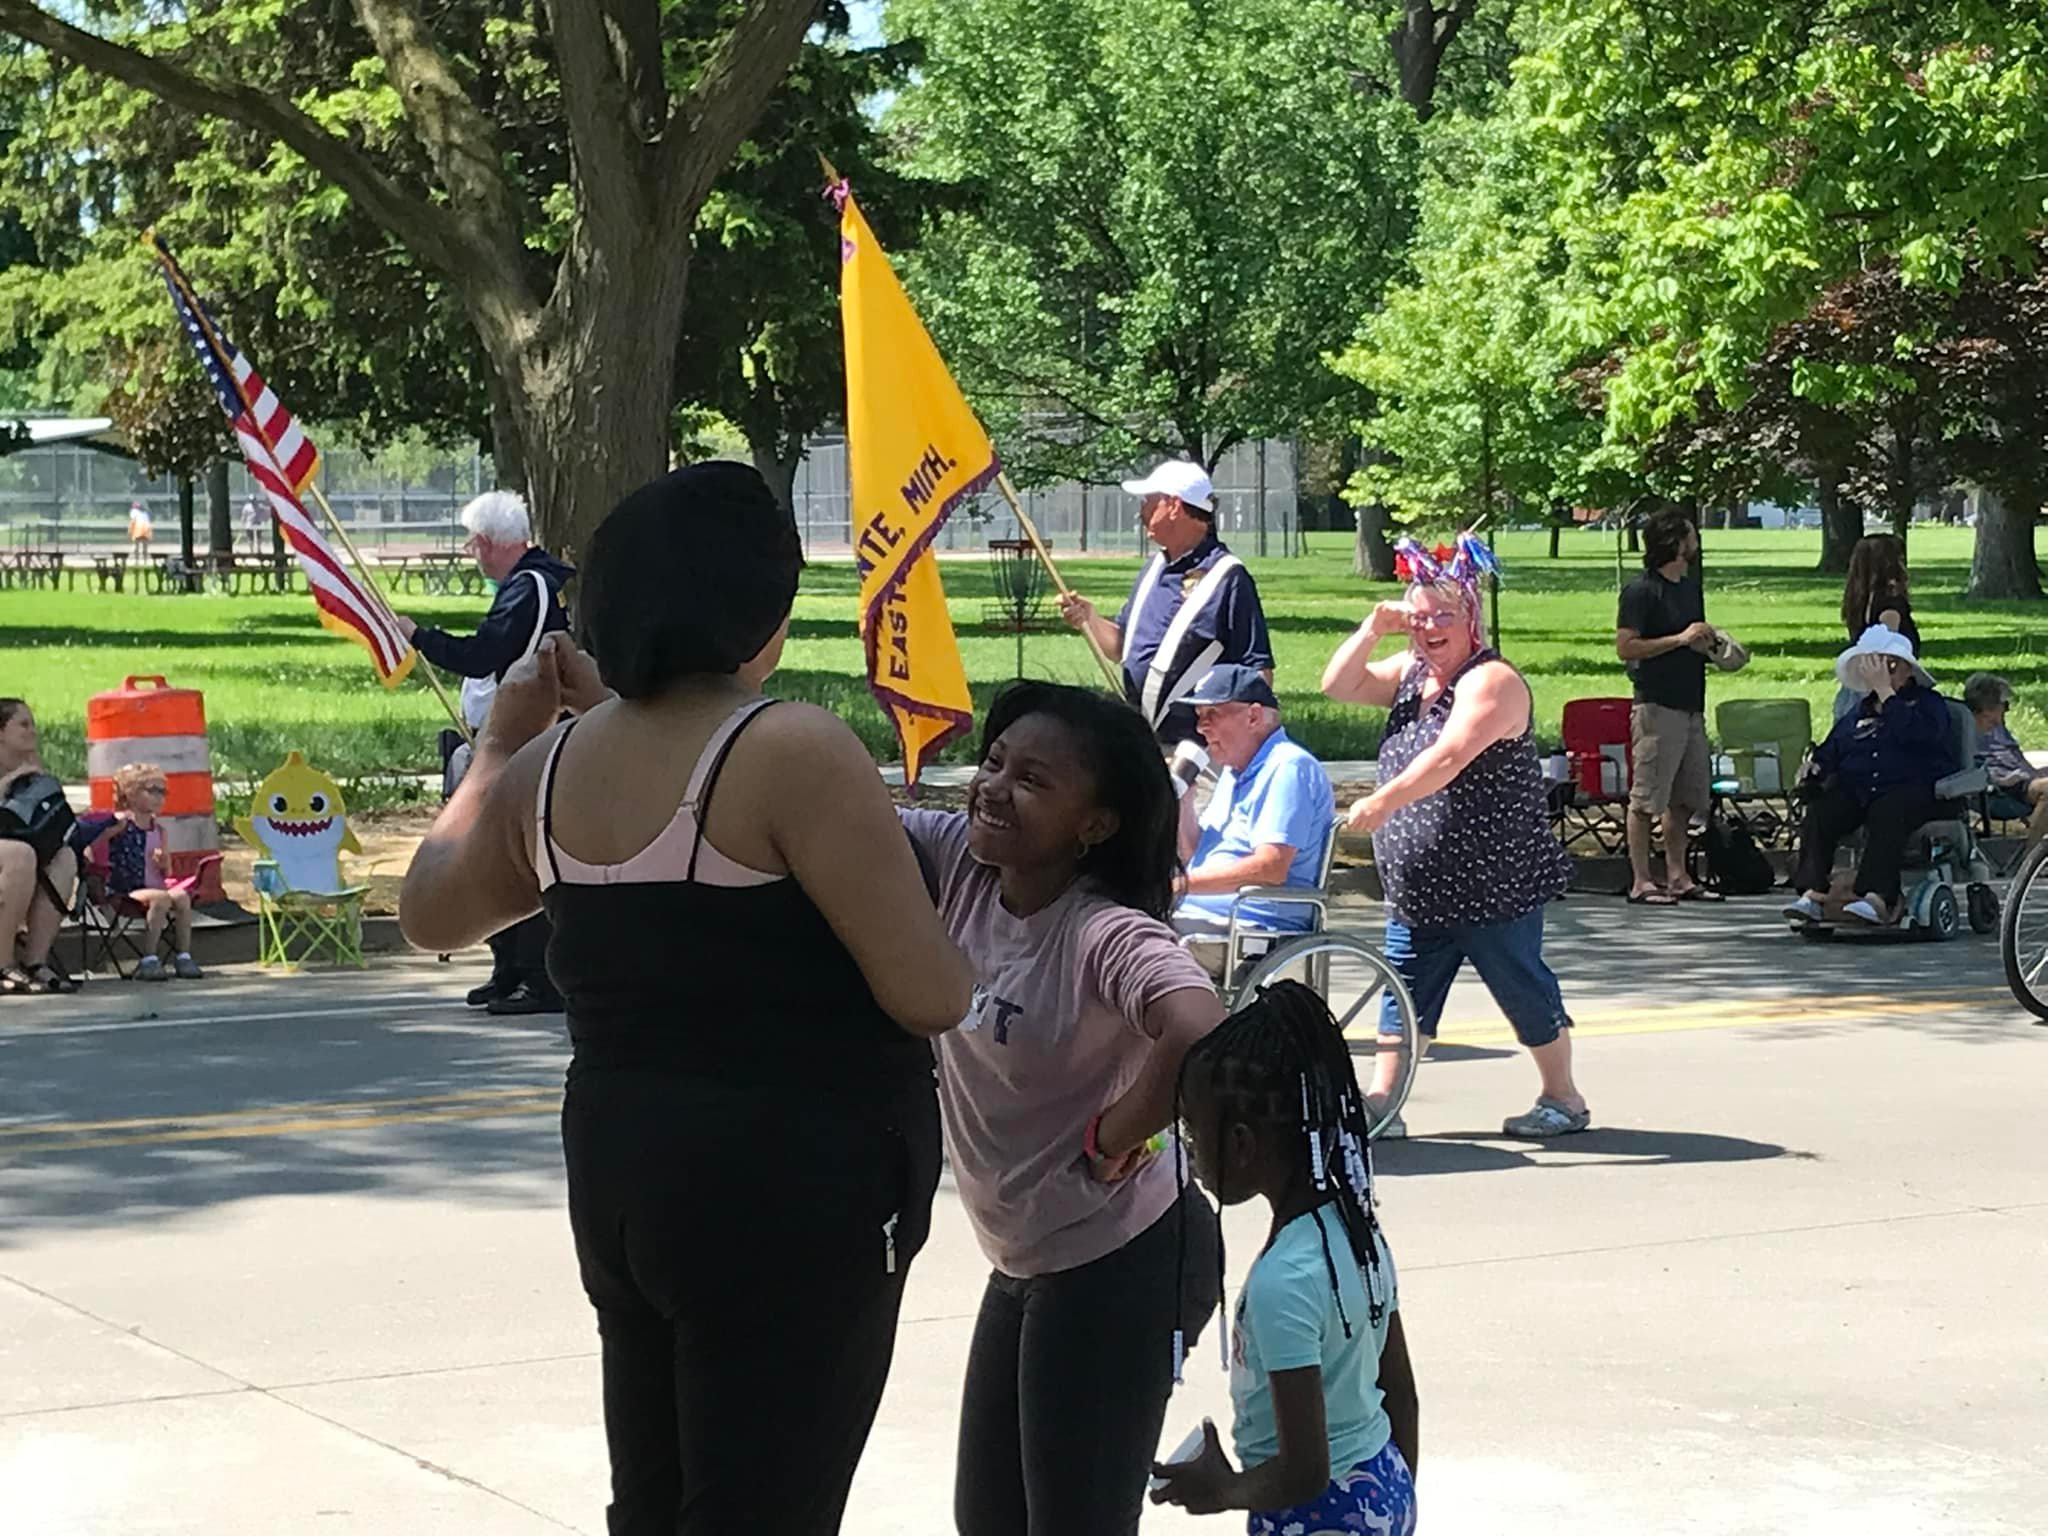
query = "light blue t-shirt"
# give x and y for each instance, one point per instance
(1287, 1319)
(1283, 796)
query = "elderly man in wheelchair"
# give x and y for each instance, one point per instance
(1265, 834)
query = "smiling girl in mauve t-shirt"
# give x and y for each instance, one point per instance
(1056, 883)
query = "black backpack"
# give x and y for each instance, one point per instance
(1735, 865)
(33, 810)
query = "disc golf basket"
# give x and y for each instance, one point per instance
(1022, 592)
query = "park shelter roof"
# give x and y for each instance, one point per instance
(94, 431)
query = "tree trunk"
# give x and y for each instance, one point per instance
(187, 514)
(777, 462)
(1418, 45)
(508, 453)
(1841, 521)
(220, 526)
(1373, 555)
(2003, 563)
(587, 444)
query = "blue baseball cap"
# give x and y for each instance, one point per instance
(1232, 682)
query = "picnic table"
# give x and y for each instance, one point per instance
(440, 572)
(35, 568)
(224, 573)
(109, 570)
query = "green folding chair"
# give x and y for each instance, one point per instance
(298, 927)
(1764, 742)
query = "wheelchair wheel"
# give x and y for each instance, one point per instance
(2023, 933)
(1944, 917)
(1354, 979)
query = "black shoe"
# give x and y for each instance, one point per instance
(490, 992)
(525, 997)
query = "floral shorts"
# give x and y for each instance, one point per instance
(1376, 1497)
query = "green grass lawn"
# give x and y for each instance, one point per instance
(274, 680)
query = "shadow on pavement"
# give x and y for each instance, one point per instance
(1478, 1153)
(122, 1126)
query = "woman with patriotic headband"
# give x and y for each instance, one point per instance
(1460, 825)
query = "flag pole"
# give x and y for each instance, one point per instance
(427, 667)
(1111, 672)
(369, 580)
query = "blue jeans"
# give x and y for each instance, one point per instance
(1509, 959)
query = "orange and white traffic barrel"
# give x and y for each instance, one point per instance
(146, 720)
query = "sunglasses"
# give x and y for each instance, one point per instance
(1441, 619)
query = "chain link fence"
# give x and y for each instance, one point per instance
(69, 496)
(1256, 509)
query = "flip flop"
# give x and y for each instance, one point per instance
(15, 983)
(1700, 893)
(1652, 899)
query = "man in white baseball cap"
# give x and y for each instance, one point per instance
(1194, 606)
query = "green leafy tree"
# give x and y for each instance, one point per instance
(1718, 164)
(1172, 211)
(762, 348)
(546, 169)
(1473, 414)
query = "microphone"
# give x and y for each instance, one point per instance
(1189, 759)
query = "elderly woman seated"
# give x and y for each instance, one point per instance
(1876, 770)
(2019, 790)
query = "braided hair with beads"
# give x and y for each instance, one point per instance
(1282, 1064)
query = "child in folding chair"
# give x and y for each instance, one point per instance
(138, 868)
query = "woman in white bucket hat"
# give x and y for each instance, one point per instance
(1876, 770)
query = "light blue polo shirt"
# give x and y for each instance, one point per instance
(1283, 796)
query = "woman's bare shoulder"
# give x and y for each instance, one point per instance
(791, 726)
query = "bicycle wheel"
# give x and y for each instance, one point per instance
(2023, 933)
(1353, 978)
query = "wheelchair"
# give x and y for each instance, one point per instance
(1351, 976)
(1947, 877)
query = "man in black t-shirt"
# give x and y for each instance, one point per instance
(1663, 635)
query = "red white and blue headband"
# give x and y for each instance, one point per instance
(1465, 563)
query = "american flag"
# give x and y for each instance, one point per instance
(283, 459)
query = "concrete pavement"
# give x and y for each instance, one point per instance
(285, 1255)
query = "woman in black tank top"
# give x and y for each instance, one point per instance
(753, 970)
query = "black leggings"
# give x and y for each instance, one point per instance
(734, 1247)
(1067, 1383)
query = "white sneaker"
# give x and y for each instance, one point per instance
(1864, 910)
(1395, 1129)
(1805, 910)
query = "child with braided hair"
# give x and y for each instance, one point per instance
(1327, 1422)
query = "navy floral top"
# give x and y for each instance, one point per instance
(127, 850)
(1480, 850)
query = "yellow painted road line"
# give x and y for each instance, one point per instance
(272, 1112)
(306, 1119)
(1683, 1020)
(506, 1109)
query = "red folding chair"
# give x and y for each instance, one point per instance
(108, 921)
(1599, 750)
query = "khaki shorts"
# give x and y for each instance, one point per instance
(1672, 768)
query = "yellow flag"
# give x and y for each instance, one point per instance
(915, 451)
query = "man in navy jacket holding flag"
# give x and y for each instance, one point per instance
(528, 605)
(1194, 606)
